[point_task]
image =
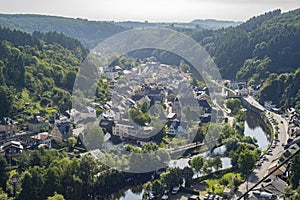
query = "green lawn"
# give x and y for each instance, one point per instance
(215, 185)
(229, 176)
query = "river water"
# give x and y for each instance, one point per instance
(253, 128)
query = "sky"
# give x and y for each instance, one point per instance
(150, 10)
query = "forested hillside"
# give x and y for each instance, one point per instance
(283, 89)
(37, 72)
(265, 44)
(264, 50)
(90, 33)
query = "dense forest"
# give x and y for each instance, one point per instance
(90, 33)
(265, 50)
(282, 89)
(43, 173)
(265, 44)
(37, 72)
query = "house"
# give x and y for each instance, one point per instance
(38, 124)
(61, 132)
(144, 99)
(269, 105)
(39, 139)
(58, 117)
(203, 102)
(72, 114)
(112, 75)
(238, 84)
(130, 103)
(129, 129)
(280, 171)
(176, 107)
(176, 127)
(156, 98)
(89, 112)
(11, 149)
(171, 116)
(8, 128)
(139, 95)
(205, 118)
(275, 187)
(243, 92)
(193, 104)
(106, 125)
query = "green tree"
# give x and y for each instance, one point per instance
(93, 137)
(147, 191)
(207, 168)
(197, 163)
(184, 67)
(217, 163)
(72, 141)
(295, 195)
(246, 161)
(295, 171)
(26, 192)
(87, 171)
(144, 107)
(53, 180)
(234, 105)
(3, 195)
(171, 178)
(38, 180)
(3, 173)
(187, 174)
(6, 101)
(157, 188)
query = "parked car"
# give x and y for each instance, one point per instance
(194, 197)
(269, 152)
(164, 197)
(264, 157)
(267, 180)
(206, 197)
(175, 190)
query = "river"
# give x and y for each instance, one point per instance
(253, 128)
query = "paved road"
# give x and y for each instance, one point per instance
(261, 171)
(252, 101)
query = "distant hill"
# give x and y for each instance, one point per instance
(212, 24)
(90, 33)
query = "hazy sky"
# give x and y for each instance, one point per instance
(151, 10)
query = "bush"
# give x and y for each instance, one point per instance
(224, 181)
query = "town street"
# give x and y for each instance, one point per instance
(260, 171)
